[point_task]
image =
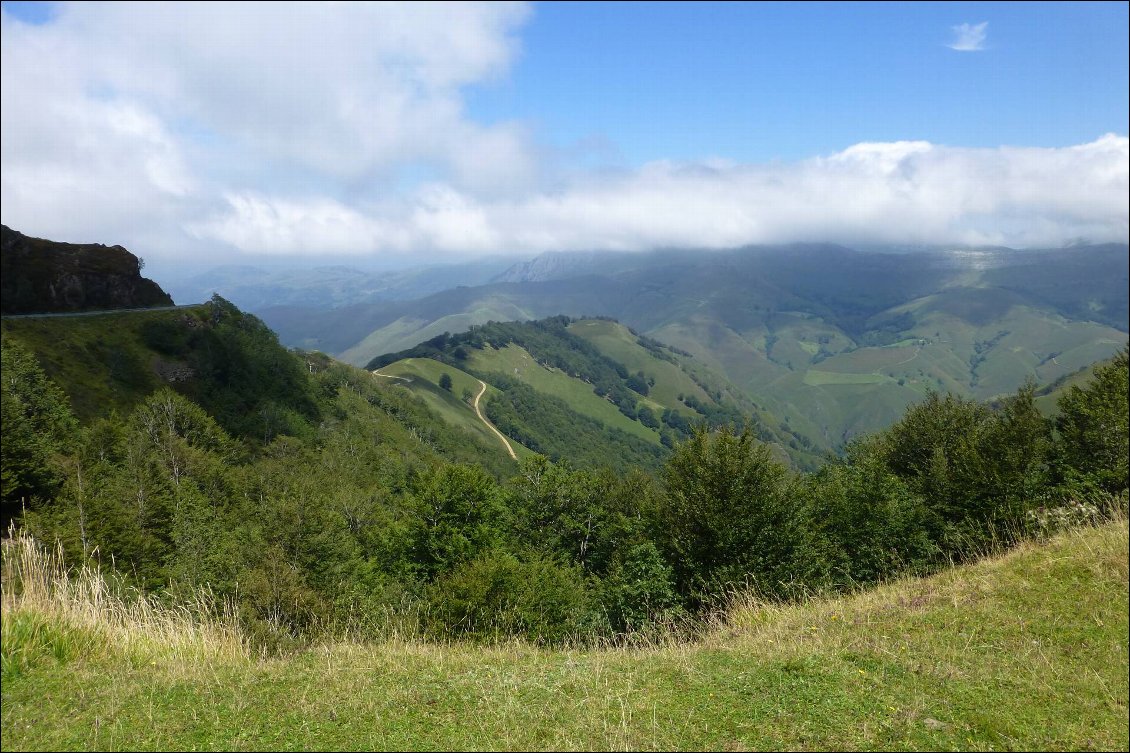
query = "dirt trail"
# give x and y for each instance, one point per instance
(390, 376)
(475, 405)
(917, 350)
(490, 426)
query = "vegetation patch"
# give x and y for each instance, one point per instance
(1021, 651)
(820, 378)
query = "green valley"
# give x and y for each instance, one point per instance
(187, 492)
(833, 342)
(638, 396)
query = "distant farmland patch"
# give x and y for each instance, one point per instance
(872, 359)
(817, 378)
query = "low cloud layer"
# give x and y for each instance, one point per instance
(905, 192)
(330, 130)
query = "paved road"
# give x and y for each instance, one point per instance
(100, 313)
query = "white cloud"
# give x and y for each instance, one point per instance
(903, 192)
(340, 129)
(969, 37)
(128, 114)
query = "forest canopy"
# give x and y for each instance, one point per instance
(321, 500)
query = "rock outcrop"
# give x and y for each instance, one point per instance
(41, 276)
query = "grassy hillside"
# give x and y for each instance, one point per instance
(614, 340)
(422, 376)
(1021, 651)
(406, 332)
(1048, 397)
(513, 360)
(632, 387)
(106, 361)
(832, 387)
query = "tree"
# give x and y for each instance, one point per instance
(1093, 428)
(858, 525)
(638, 383)
(647, 417)
(934, 449)
(38, 428)
(724, 520)
(458, 515)
(977, 470)
(445, 381)
(585, 516)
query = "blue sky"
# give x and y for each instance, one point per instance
(755, 82)
(407, 133)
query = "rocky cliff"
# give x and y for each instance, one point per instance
(41, 276)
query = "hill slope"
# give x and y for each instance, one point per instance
(424, 376)
(835, 341)
(589, 390)
(1026, 651)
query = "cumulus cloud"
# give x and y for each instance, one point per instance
(341, 129)
(902, 192)
(969, 37)
(135, 113)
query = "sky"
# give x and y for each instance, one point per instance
(401, 134)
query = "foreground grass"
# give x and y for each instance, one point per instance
(1024, 651)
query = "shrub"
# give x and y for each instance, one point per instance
(725, 518)
(1093, 428)
(497, 595)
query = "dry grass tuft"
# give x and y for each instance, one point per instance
(46, 606)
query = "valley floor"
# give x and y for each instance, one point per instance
(1023, 651)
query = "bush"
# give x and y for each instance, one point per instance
(725, 518)
(859, 525)
(977, 470)
(458, 516)
(1094, 431)
(639, 590)
(497, 595)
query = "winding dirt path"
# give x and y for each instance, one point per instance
(390, 376)
(917, 350)
(490, 426)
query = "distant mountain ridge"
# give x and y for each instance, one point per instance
(331, 286)
(42, 276)
(837, 341)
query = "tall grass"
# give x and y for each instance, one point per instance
(49, 611)
(1021, 651)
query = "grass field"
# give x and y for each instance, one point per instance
(616, 342)
(819, 378)
(67, 346)
(515, 362)
(1023, 651)
(422, 376)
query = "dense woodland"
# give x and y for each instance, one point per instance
(316, 500)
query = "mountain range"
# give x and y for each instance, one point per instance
(835, 341)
